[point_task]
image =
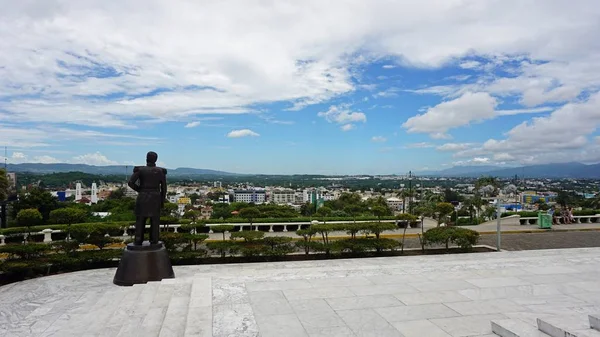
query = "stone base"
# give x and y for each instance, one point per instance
(141, 264)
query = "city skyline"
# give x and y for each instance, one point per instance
(367, 88)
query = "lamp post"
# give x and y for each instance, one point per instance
(498, 229)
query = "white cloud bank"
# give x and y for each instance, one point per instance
(97, 63)
(242, 133)
(343, 115)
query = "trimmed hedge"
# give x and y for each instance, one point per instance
(530, 214)
(462, 237)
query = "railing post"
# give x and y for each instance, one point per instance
(271, 229)
(285, 228)
(47, 235)
(2, 243)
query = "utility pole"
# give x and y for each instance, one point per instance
(3, 223)
(410, 192)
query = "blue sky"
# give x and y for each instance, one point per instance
(372, 88)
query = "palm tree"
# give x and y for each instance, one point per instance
(404, 194)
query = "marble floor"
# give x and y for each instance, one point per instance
(443, 295)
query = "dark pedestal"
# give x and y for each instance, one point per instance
(140, 264)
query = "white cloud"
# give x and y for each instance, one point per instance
(19, 156)
(342, 115)
(207, 59)
(192, 124)
(524, 111)
(45, 160)
(421, 145)
(559, 137)
(96, 158)
(347, 127)
(452, 147)
(242, 133)
(470, 64)
(469, 108)
(378, 139)
(388, 66)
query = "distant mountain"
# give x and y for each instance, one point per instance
(104, 170)
(559, 170)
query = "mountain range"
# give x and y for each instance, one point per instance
(560, 170)
(104, 170)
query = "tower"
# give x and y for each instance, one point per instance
(78, 192)
(94, 194)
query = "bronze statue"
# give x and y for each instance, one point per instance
(151, 184)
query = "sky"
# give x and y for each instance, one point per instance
(285, 87)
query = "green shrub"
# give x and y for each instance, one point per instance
(67, 247)
(248, 236)
(25, 251)
(587, 212)
(174, 241)
(278, 245)
(463, 237)
(223, 247)
(466, 222)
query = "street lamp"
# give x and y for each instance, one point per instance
(510, 189)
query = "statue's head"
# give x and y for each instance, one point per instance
(151, 157)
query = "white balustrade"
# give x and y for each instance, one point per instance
(2, 237)
(47, 235)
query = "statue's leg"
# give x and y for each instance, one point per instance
(154, 229)
(140, 224)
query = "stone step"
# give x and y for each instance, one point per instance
(564, 326)
(152, 323)
(515, 328)
(140, 310)
(594, 321)
(124, 310)
(176, 315)
(97, 316)
(199, 315)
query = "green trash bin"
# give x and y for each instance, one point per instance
(545, 220)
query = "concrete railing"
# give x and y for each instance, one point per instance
(578, 219)
(265, 227)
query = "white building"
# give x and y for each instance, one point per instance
(283, 197)
(394, 203)
(255, 196)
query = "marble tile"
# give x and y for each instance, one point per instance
(334, 331)
(234, 319)
(431, 297)
(341, 282)
(269, 303)
(325, 292)
(383, 289)
(366, 322)
(419, 329)
(278, 285)
(416, 312)
(280, 325)
(441, 286)
(494, 282)
(485, 307)
(466, 326)
(363, 302)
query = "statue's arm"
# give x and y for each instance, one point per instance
(163, 185)
(133, 180)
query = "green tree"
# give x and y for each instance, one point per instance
(194, 197)
(353, 210)
(250, 213)
(28, 218)
(39, 199)
(380, 211)
(222, 229)
(307, 236)
(117, 194)
(324, 212)
(443, 210)
(192, 214)
(3, 185)
(68, 216)
(168, 209)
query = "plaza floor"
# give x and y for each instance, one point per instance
(419, 296)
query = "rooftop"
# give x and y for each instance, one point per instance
(443, 295)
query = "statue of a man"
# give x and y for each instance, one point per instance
(150, 182)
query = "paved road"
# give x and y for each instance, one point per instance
(531, 241)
